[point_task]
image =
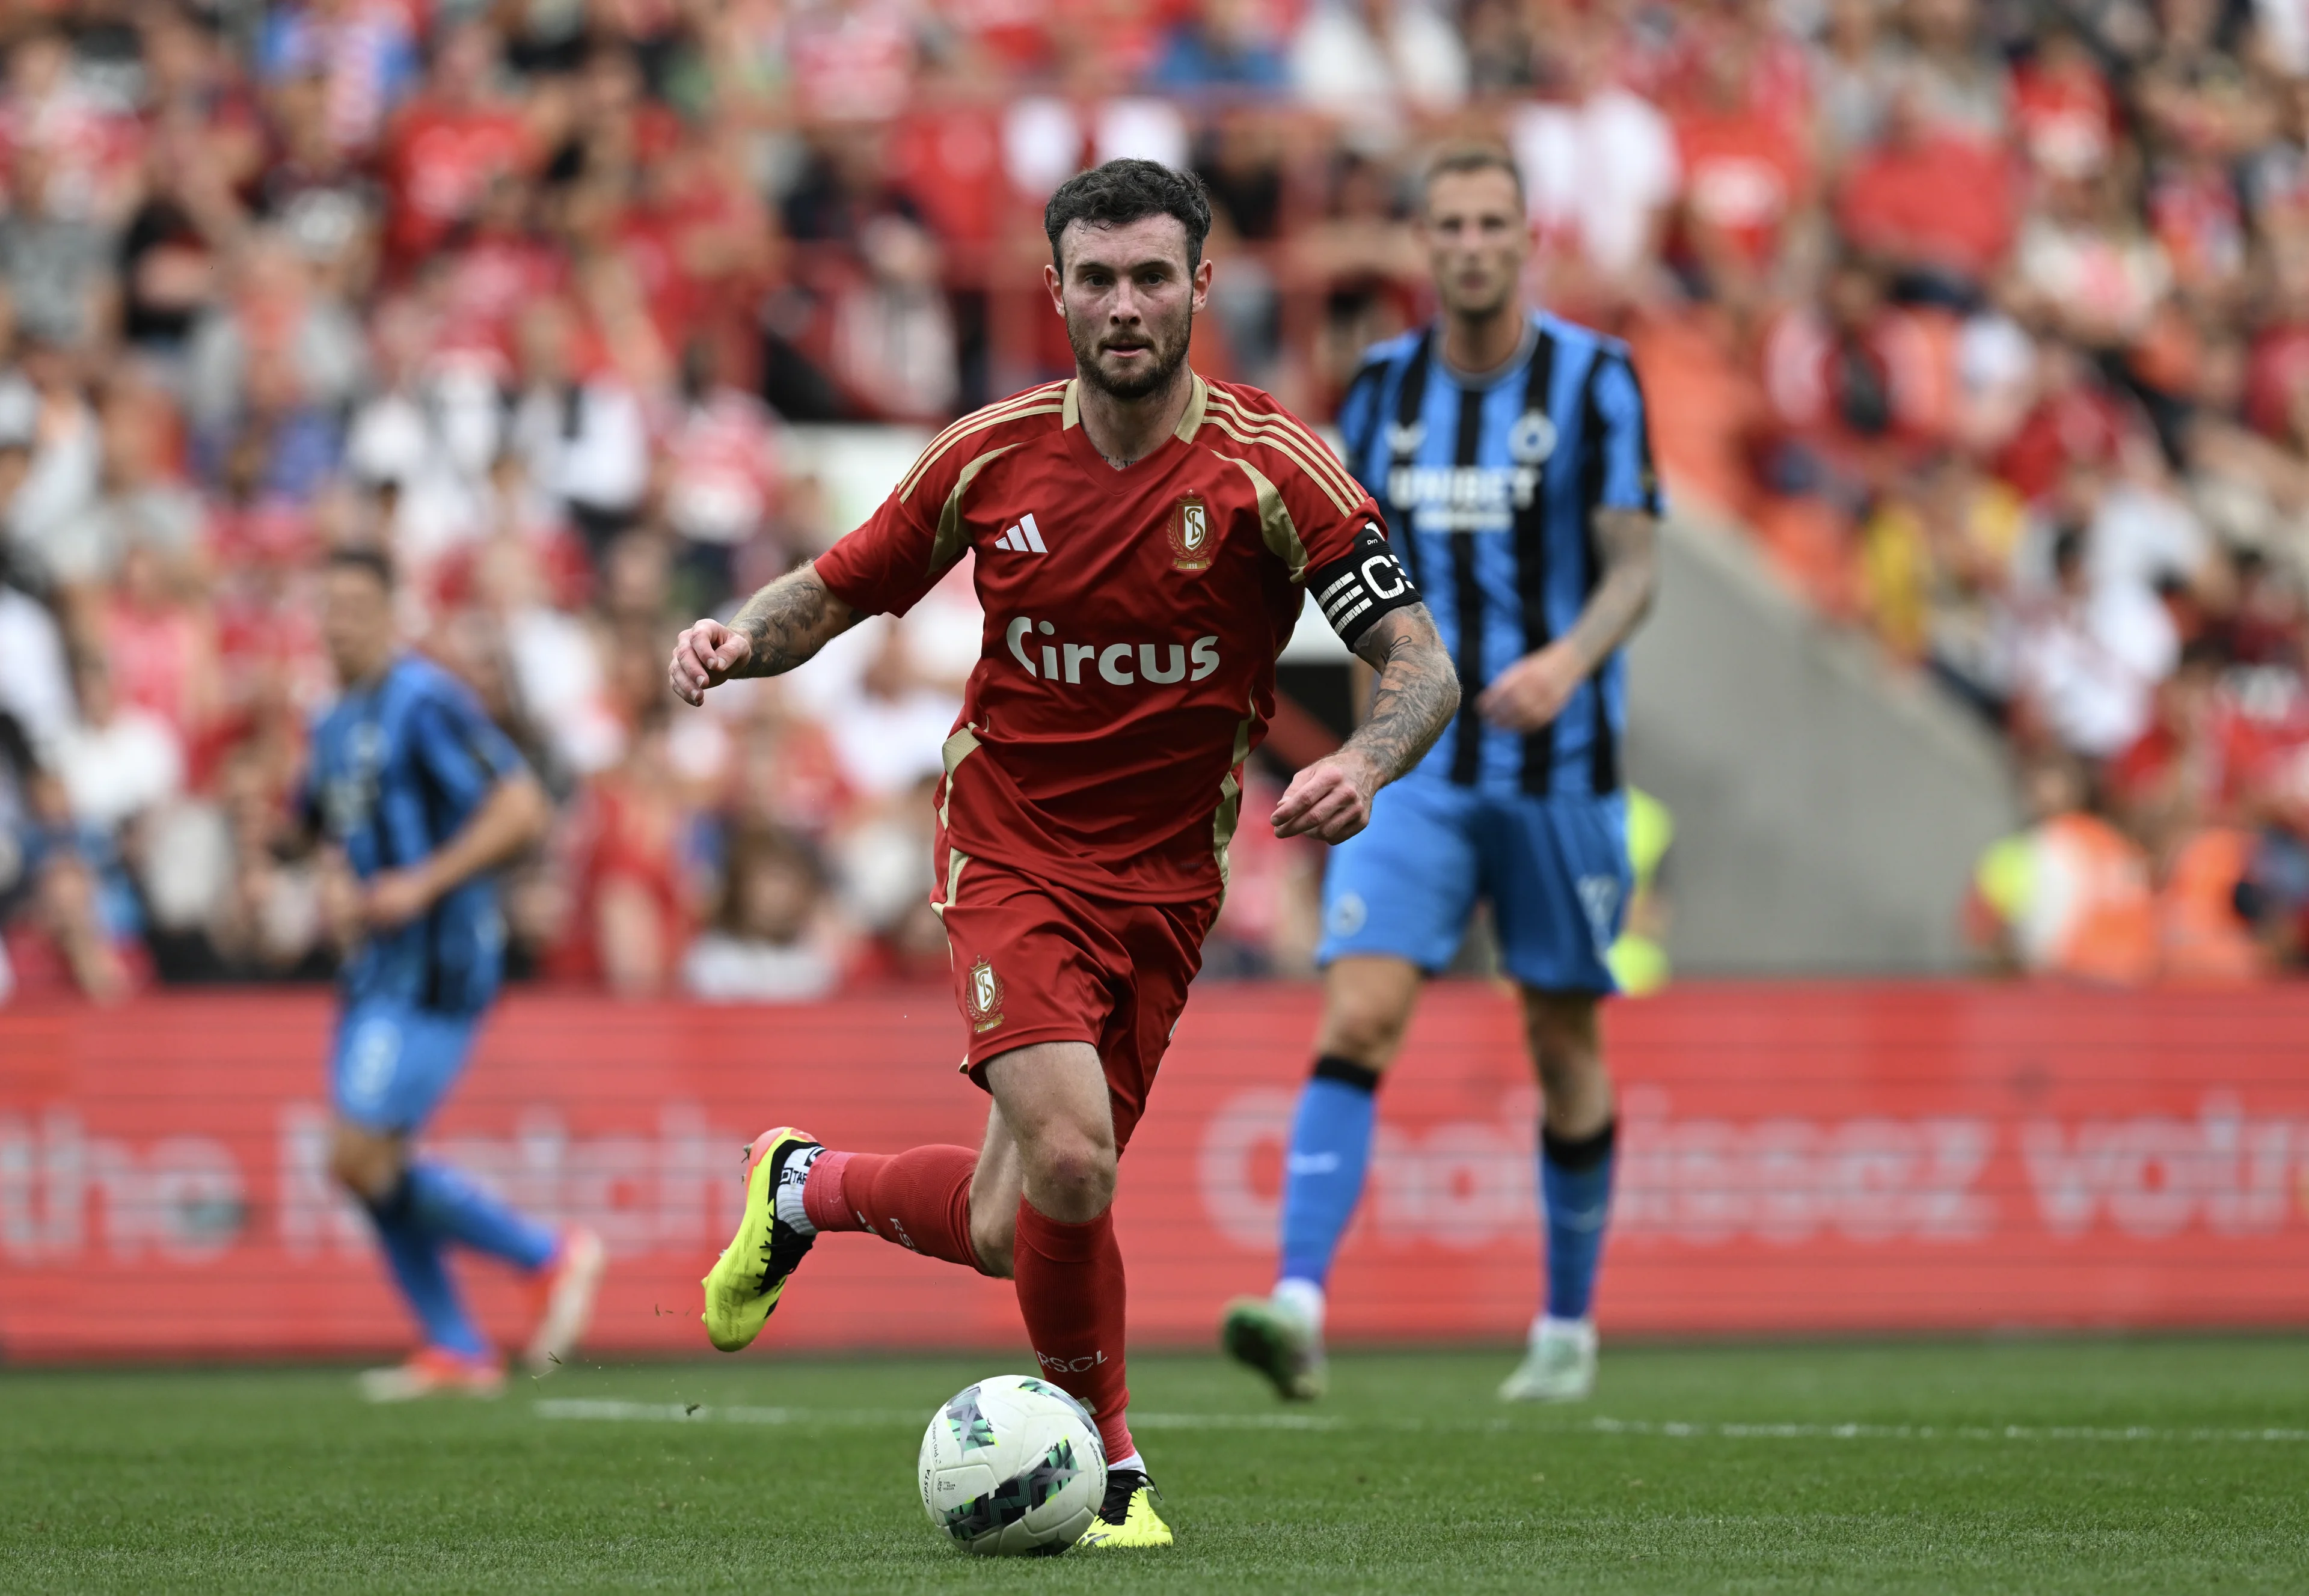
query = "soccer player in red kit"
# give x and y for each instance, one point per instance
(1142, 539)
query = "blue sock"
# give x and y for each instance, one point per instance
(448, 1204)
(414, 1252)
(1575, 1179)
(1323, 1177)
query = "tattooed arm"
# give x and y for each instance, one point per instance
(1418, 694)
(781, 626)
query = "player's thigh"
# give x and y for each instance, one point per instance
(1157, 953)
(1031, 966)
(1403, 887)
(393, 1063)
(1367, 1003)
(1556, 871)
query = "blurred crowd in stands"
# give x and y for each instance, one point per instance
(1988, 319)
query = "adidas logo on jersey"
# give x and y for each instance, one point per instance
(1024, 537)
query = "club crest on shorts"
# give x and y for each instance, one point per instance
(1192, 538)
(982, 995)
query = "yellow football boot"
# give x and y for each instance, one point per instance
(744, 1286)
(1127, 1517)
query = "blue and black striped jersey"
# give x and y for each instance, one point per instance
(1492, 490)
(398, 767)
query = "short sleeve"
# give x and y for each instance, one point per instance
(1626, 480)
(887, 565)
(1332, 511)
(459, 746)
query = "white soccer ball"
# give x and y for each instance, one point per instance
(1013, 1468)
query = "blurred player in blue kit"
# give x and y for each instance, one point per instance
(424, 798)
(1510, 452)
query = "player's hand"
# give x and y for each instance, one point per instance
(706, 656)
(1533, 691)
(1330, 798)
(394, 897)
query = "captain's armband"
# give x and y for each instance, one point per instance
(1366, 583)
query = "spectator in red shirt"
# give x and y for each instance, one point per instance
(2066, 115)
(1746, 177)
(450, 142)
(1934, 207)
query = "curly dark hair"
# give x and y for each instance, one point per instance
(1122, 192)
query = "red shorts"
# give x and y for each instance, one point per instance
(1035, 961)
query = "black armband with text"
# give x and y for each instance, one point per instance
(1355, 591)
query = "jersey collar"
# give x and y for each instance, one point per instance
(1485, 381)
(1190, 421)
(1078, 444)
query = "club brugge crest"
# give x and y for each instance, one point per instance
(1192, 534)
(982, 993)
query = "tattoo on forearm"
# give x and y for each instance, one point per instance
(1418, 691)
(789, 621)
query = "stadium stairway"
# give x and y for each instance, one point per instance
(1828, 807)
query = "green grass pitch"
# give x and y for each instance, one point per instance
(2043, 1466)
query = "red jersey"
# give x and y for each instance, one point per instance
(1132, 621)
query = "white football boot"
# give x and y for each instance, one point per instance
(1559, 1366)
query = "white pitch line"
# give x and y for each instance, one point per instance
(1928, 1432)
(629, 1412)
(632, 1413)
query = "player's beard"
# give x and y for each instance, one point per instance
(1168, 357)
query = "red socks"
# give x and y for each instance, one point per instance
(1069, 1277)
(1070, 1293)
(919, 1198)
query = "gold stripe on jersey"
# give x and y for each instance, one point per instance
(1309, 454)
(957, 748)
(1258, 440)
(1070, 407)
(1198, 399)
(1275, 525)
(956, 430)
(1035, 402)
(952, 534)
(955, 861)
(1318, 454)
(1294, 439)
(1039, 394)
(1229, 809)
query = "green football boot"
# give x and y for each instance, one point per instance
(742, 1290)
(1263, 1335)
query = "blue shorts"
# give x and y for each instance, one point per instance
(393, 1063)
(1555, 868)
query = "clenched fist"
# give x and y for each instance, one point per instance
(706, 656)
(1330, 798)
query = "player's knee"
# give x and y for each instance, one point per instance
(1364, 1033)
(1071, 1176)
(364, 1164)
(1572, 1082)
